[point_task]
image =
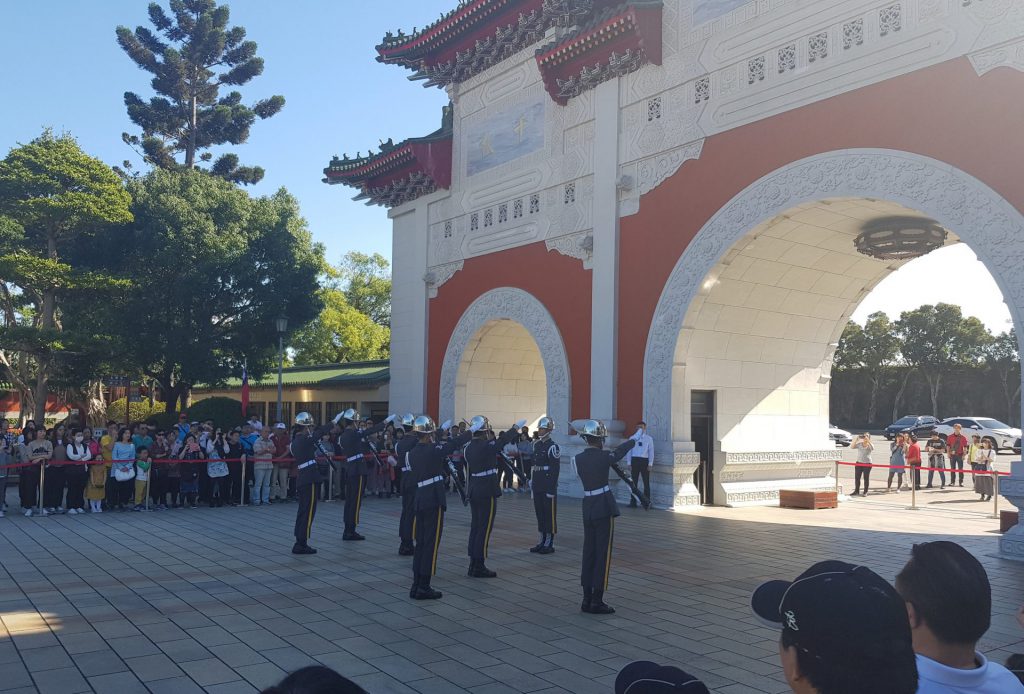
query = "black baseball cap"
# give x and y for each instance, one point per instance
(839, 613)
(645, 677)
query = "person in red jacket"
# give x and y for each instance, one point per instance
(957, 444)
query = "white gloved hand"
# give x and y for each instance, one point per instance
(391, 418)
(447, 425)
(475, 427)
(520, 424)
(337, 417)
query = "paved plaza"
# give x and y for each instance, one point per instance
(212, 600)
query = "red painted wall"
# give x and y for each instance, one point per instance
(946, 112)
(557, 281)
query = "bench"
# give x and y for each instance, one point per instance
(801, 498)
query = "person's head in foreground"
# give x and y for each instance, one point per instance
(949, 605)
(315, 679)
(844, 631)
(645, 677)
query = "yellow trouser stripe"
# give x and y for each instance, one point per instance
(359, 497)
(437, 541)
(312, 506)
(490, 525)
(608, 559)
(414, 528)
(554, 517)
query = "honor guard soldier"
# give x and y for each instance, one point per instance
(402, 448)
(484, 489)
(546, 466)
(304, 449)
(427, 460)
(354, 447)
(599, 509)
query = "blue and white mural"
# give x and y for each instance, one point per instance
(505, 136)
(707, 10)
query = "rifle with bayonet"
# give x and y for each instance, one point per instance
(634, 490)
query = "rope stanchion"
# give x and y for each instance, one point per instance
(42, 482)
(995, 495)
(835, 472)
(241, 501)
(913, 489)
(915, 471)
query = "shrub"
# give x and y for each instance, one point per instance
(137, 411)
(225, 412)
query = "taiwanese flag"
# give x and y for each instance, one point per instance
(245, 391)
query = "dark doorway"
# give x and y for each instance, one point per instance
(702, 431)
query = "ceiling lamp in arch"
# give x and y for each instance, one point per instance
(900, 237)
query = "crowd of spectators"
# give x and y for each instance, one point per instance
(194, 464)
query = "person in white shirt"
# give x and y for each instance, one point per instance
(255, 423)
(641, 458)
(949, 604)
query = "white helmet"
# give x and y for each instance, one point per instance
(590, 429)
(481, 423)
(423, 425)
(304, 419)
(351, 415)
(546, 423)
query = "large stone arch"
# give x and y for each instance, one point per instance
(524, 308)
(958, 201)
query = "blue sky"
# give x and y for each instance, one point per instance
(63, 69)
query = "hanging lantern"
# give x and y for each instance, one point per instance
(900, 238)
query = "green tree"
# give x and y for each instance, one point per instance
(52, 194)
(342, 333)
(1003, 360)
(873, 348)
(366, 283)
(191, 55)
(211, 270)
(936, 339)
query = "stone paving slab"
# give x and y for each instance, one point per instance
(212, 600)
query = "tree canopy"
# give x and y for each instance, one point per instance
(192, 54)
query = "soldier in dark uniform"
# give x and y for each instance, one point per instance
(484, 489)
(599, 510)
(429, 469)
(304, 449)
(354, 447)
(405, 523)
(546, 466)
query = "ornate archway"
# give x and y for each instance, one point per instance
(977, 214)
(513, 304)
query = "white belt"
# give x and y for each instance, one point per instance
(354, 458)
(306, 464)
(407, 468)
(485, 473)
(432, 480)
(597, 492)
(542, 468)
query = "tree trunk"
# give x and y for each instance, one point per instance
(899, 394)
(873, 400)
(46, 317)
(934, 382)
(96, 404)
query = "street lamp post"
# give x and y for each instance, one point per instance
(282, 327)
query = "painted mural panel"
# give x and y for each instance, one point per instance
(708, 10)
(505, 136)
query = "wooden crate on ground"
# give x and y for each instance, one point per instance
(1007, 519)
(802, 498)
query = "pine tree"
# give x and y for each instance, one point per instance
(191, 56)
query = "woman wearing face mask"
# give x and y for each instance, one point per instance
(77, 475)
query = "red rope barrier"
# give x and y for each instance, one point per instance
(168, 461)
(908, 466)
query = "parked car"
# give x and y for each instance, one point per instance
(840, 437)
(916, 424)
(1001, 436)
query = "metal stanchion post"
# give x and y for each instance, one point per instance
(913, 488)
(42, 483)
(995, 494)
(330, 481)
(241, 500)
(836, 464)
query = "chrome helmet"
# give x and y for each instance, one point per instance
(546, 423)
(481, 423)
(304, 419)
(423, 424)
(407, 420)
(351, 415)
(590, 428)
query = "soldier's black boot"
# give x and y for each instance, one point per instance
(536, 547)
(425, 592)
(598, 606)
(302, 548)
(548, 545)
(588, 596)
(415, 586)
(477, 569)
(350, 534)
(405, 549)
